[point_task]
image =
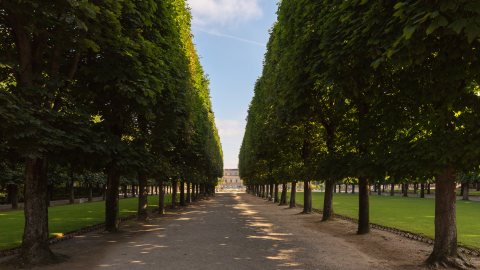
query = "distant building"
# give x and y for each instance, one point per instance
(231, 180)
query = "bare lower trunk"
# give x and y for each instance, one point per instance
(307, 198)
(392, 190)
(405, 190)
(328, 201)
(346, 188)
(283, 198)
(363, 205)
(379, 190)
(428, 188)
(125, 190)
(35, 247)
(465, 191)
(276, 193)
(188, 193)
(271, 192)
(174, 193)
(90, 192)
(112, 224)
(182, 193)
(293, 194)
(353, 188)
(445, 247)
(422, 190)
(161, 199)
(104, 192)
(13, 196)
(142, 196)
(72, 194)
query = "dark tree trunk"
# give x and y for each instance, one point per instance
(174, 193)
(161, 199)
(462, 185)
(415, 188)
(72, 194)
(363, 206)
(189, 199)
(428, 188)
(49, 194)
(465, 191)
(383, 187)
(293, 194)
(375, 187)
(392, 190)
(90, 192)
(328, 201)
(422, 190)
(346, 188)
(125, 189)
(142, 196)
(405, 190)
(276, 193)
(13, 196)
(104, 192)
(334, 188)
(35, 247)
(379, 190)
(182, 193)
(478, 186)
(271, 192)
(353, 188)
(112, 224)
(283, 198)
(445, 247)
(307, 197)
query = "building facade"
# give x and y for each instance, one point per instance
(231, 180)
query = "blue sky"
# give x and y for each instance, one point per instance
(230, 36)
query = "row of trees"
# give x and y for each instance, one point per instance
(369, 90)
(104, 86)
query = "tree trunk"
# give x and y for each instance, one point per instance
(293, 194)
(112, 224)
(379, 190)
(49, 194)
(188, 193)
(392, 190)
(383, 186)
(415, 188)
(422, 190)
(428, 188)
(142, 196)
(72, 194)
(125, 189)
(478, 186)
(307, 197)
(161, 199)
(334, 188)
(363, 205)
(375, 187)
(35, 247)
(346, 188)
(276, 193)
(283, 198)
(174, 193)
(353, 188)
(182, 193)
(271, 192)
(405, 190)
(465, 191)
(328, 201)
(156, 190)
(462, 185)
(13, 196)
(445, 247)
(90, 192)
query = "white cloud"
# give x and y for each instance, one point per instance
(213, 13)
(229, 128)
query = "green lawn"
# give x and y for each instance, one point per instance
(432, 191)
(409, 214)
(64, 219)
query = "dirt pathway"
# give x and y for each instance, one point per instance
(239, 231)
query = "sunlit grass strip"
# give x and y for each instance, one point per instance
(68, 218)
(407, 214)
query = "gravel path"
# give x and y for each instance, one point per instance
(240, 231)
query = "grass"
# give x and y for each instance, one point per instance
(432, 191)
(68, 218)
(408, 214)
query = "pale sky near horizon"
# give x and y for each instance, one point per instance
(231, 38)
